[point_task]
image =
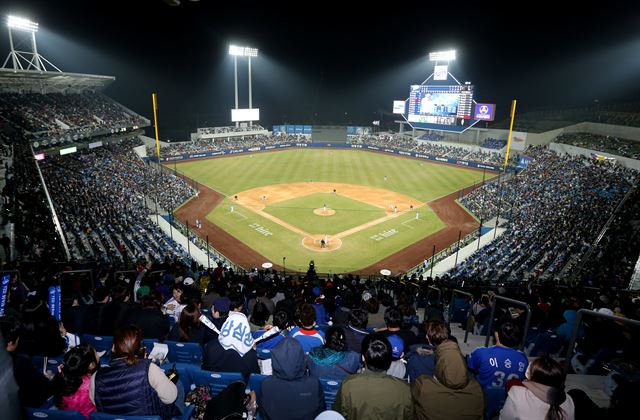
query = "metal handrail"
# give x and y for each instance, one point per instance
(514, 302)
(453, 295)
(580, 315)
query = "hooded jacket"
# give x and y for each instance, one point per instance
(290, 393)
(453, 393)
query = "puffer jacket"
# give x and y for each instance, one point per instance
(453, 393)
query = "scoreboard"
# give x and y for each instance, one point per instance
(433, 107)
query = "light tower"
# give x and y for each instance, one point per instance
(25, 60)
(248, 52)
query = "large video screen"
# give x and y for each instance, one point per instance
(431, 106)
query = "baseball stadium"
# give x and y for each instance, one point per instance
(258, 223)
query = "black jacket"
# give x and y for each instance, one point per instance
(290, 393)
(217, 359)
(151, 321)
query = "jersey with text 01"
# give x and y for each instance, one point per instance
(496, 365)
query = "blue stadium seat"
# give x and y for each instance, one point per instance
(101, 343)
(104, 416)
(217, 381)
(184, 353)
(330, 388)
(255, 383)
(52, 362)
(39, 414)
(547, 343)
(264, 354)
(495, 398)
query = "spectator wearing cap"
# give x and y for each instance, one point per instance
(306, 334)
(333, 360)
(356, 331)
(373, 394)
(218, 315)
(373, 307)
(398, 368)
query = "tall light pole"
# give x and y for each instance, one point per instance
(236, 52)
(25, 60)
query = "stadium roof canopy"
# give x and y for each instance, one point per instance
(26, 81)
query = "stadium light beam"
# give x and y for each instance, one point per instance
(442, 55)
(21, 24)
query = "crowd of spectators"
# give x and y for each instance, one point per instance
(491, 143)
(208, 145)
(57, 117)
(430, 137)
(385, 343)
(432, 148)
(102, 197)
(607, 144)
(229, 129)
(555, 209)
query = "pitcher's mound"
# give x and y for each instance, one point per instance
(323, 212)
(313, 243)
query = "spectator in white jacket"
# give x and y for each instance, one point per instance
(541, 396)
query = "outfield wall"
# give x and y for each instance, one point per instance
(230, 152)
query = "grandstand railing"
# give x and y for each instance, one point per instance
(525, 305)
(420, 269)
(586, 312)
(461, 293)
(203, 245)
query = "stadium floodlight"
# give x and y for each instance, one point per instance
(442, 55)
(236, 52)
(243, 51)
(25, 60)
(21, 24)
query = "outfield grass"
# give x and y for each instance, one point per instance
(423, 181)
(349, 213)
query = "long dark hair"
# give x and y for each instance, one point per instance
(127, 343)
(546, 371)
(189, 318)
(77, 364)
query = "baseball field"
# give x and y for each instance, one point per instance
(348, 210)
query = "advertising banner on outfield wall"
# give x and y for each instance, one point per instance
(464, 163)
(518, 140)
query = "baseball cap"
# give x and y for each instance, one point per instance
(397, 346)
(316, 291)
(143, 291)
(222, 304)
(188, 281)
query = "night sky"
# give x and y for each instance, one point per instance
(325, 62)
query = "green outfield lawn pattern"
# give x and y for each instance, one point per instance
(357, 251)
(349, 213)
(421, 180)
